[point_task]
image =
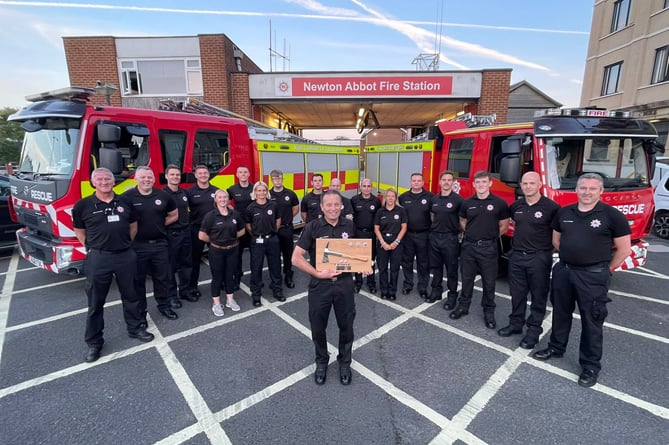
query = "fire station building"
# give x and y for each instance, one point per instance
(210, 67)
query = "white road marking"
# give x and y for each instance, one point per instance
(6, 297)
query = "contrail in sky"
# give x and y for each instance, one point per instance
(422, 38)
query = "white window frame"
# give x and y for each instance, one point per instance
(130, 69)
(609, 81)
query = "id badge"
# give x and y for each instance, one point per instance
(113, 218)
(260, 240)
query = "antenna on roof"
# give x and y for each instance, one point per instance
(430, 61)
(273, 54)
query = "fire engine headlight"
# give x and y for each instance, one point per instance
(63, 256)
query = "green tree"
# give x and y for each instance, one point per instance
(11, 135)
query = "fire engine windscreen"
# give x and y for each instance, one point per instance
(49, 149)
(620, 161)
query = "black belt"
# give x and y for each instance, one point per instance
(531, 252)
(149, 241)
(444, 234)
(366, 230)
(481, 242)
(220, 247)
(597, 267)
(264, 236)
(108, 251)
(177, 229)
(416, 232)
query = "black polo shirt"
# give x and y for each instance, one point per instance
(346, 207)
(533, 224)
(262, 218)
(390, 221)
(285, 200)
(181, 200)
(483, 216)
(222, 229)
(107, 225)
(242, 197)
(417, 206)
(311, 204)
(320, 228)
(446, 213)
(364, 210)
(200, 202)
(151, 211)
(586, 238)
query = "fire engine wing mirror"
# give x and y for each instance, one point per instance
(109, 134)
(112, 159)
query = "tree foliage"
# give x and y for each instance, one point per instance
(11, 135)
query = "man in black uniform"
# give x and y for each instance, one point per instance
(416, 201)
(530, 259)
(106, 225)
(444, 240)
(155, 210)
(241, 194)
(287, 206)
(328, 288)
(262, 223)
(484, 218)
(346, 208)
(178, 239)
(583, 233)
(310, 207)
(365, 205)
(200, 202)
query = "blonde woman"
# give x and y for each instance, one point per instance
(390, 225)
(262, 223)
(221, 228)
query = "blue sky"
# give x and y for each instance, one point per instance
(543, 42)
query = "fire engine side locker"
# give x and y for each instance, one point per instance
(299, 162)
(391, 165)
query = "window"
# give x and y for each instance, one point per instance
(661, 66)
(611, 78)
(132, 143)
(460, 156)
(173, 147)
(211, 149)
(154, 77)
(621, 15)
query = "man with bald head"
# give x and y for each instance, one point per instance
(346, 209)
(530, 259)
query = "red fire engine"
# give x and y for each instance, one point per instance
(66, 138)
(560, 145)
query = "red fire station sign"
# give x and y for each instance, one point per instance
(371, 86)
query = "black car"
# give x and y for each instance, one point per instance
(8, 227)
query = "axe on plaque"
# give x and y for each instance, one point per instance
(327, 252)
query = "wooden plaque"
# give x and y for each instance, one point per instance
(344, 255)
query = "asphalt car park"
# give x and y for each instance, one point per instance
(247, 377)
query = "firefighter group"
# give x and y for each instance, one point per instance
(163, 233)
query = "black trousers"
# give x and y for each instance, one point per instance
(479, 258)
(588, 287)
(101, 267)
(181, 263)
(388, 262)
(244, 243)
(416, 245)
(197, 248)
(444, 252)
(287, 245)
(324, 295)
(370, 278)
(222, 264)
(152, 258)
(269, 248)
(529, 272)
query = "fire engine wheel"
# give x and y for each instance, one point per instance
(661, 224)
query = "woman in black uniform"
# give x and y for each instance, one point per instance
(390, 225)
(221, 228)
(262, 222)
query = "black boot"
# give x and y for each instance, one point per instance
(288, 279)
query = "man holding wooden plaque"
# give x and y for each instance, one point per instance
(333, 256)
